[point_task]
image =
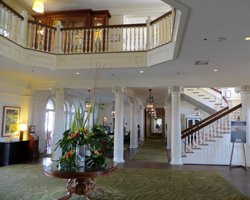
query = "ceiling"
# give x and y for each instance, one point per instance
(214, 32)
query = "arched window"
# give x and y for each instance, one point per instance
(67, 115)
(72, 113)
(49, 123)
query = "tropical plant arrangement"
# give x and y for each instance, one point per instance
(95, 139)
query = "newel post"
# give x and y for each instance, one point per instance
(58, 38)
(23, 31)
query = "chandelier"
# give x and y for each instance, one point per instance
(89, 102)
(150, 103)
(38, 6)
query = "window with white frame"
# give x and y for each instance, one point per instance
(67, 115)
(49, 124)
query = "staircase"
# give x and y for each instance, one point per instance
(208, 141)
(210, 100)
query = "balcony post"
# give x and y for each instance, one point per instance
(23, 32)
(149, 36)
(58, 38)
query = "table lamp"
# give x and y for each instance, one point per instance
(22, 127)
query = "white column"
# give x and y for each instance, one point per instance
(245, 115)
(59, 123)
(23, 31)
(118, 132)
(141, 123)
(176, 158)
(169, 125)
(133, 125)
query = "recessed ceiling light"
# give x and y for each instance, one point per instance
(220, 39)
(216, 70)
(201, 62)
(141, 71)
(247, 38)
(77, 73)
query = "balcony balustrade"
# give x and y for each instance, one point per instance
(58, 40)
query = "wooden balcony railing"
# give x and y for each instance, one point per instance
(114, 38)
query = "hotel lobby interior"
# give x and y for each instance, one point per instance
(116, 100)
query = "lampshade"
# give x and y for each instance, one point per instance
(22, 127)
(38, 6)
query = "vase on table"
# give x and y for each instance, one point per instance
(80, 157)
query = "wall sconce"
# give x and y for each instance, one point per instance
(38, 6)
(22, 127)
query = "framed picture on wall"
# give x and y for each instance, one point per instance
(11, 116)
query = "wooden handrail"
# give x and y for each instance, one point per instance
(108, 26)
(161, 17)
(211, 120)
(40, 24)
(203, 121)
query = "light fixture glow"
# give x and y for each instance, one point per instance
(247, 38)
(77, 73)
(141, 72)
(38, 6)
(89, 102)
(216, 70)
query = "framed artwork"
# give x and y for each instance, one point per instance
(11, 116)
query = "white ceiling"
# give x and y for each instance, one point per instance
(207, 22)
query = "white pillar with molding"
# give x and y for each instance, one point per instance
(141, 122)
(245, 115)
(118, 132)
(176, 158)
(59, 123)
(133, 124)
(169, 125)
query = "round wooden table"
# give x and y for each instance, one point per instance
(80, 183)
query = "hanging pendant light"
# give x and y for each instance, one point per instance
(150, 102)
(38, 6)
(88, 102)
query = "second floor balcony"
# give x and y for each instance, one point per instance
(123, 45)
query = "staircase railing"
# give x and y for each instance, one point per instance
(207, 130)
(59, 40)
(196, 126)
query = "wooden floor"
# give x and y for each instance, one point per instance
(237, 176)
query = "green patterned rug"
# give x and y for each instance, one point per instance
(27, 182)
(151, 151)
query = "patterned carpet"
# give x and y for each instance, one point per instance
(151, 151)
(27, 182)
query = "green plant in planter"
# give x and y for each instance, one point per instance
(95, 139)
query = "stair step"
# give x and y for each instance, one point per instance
(212, 101)
(217, 104)
(201, 95)
(206, 98)
(190, 89)
(203, 144)
(189, 152)
(195, 92)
